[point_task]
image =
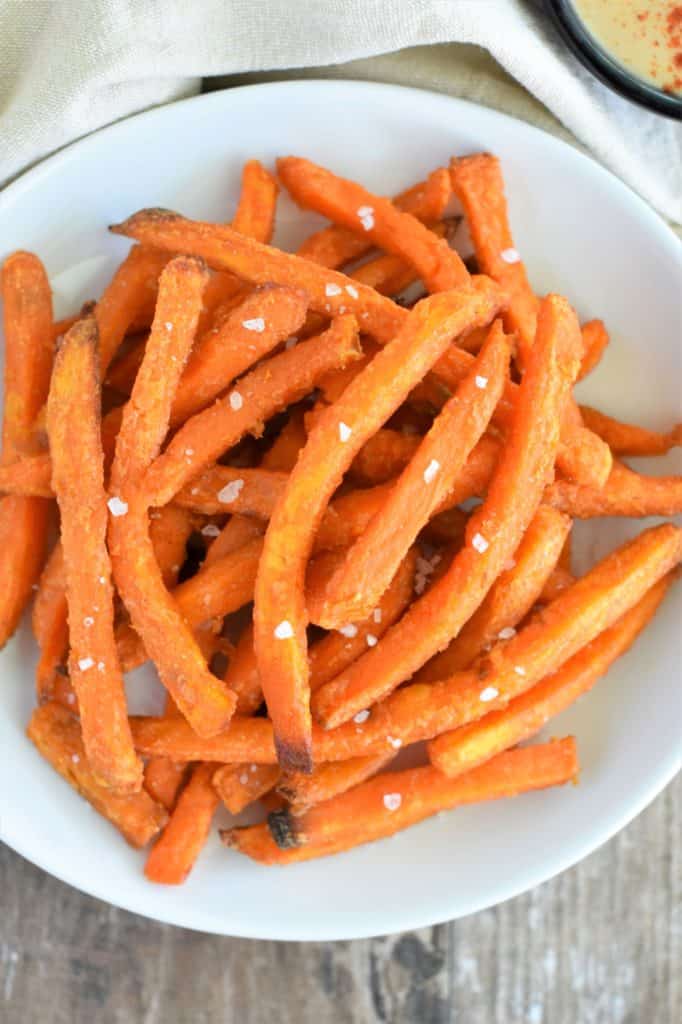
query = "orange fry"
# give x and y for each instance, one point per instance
(625, 493)
(247, 492)
(493, 532)
(264, 319)
(243, 739)
(333, 246)
(255, 214)
(393, 801)
(461, 750)
(129, 291)
(356, 586)
(57, 735)
(28, 476)
(174, 853)
(73, 409)
(224, 249)
(279, 613)
(509, 599)
(154, 614)
(50, 622)
(346, 203)
(329, 780)
(163, 780)
(628, 439)
(169, 530)
(595, 342)
(239, 785)
(274, 384)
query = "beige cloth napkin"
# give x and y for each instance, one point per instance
(70, 66)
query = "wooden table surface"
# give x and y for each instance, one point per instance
(600, 944)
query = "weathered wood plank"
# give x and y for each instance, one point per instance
(598, 945)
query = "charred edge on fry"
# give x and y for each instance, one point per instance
(283, 829)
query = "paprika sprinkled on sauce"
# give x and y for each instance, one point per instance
(644, 36)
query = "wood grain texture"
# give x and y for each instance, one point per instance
(600, 944)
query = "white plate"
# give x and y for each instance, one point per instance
(581, 232)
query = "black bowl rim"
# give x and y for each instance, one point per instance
(602, 66)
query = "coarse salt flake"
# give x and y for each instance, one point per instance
(481, 382)
(244, 779)
(230, 492)
(479, 543)
(361, 717)
(507, 633)
(520, 670)
(366, 215)
(352, 291)
(372, 641)
(344, 432)
(349, 630)
(254, 768)
(510, 256)
(75, 758)
(395, 742)
(210, 530)
(102, 579)
(256, 324)
(284, 630)
(168, 325)
(189, 452)
(431, 470)
(490, 693)
(100, 666)
(117, 507)
(236, 401)
(332, 289)
(85, 663)
(392, 801)
(88, 621)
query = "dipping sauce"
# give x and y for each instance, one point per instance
(644, 36)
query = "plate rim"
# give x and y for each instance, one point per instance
(410, 918)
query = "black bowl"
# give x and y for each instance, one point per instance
(603, 66)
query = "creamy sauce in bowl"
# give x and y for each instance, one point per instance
(643, 36)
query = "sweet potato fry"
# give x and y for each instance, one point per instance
(356, 586)
(29, 348)
(628, 439)
(56, 734)
(224, 249)
(169, 530)
(264, 319)
(388, 274)
(135, 281)
(50, 623)
(236, 533)
(154, 614)
(461, 750)
(220, 489)
(493, 532)
(122, 372)
(335, 245)
(73, 409)
(239, 785)
(144, 419)
(346, 203)
(478, 184)
(274, 384)
(279, 612)
(392, 801)
(625, 493)
(243, 739)
(163, 780)
(27, 316)
(595, 342)
(384, 456)
(174, 853)
(509, 599)
(255, 214)
(27, 476)
(329, 780)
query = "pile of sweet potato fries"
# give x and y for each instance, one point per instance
(263, 466)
